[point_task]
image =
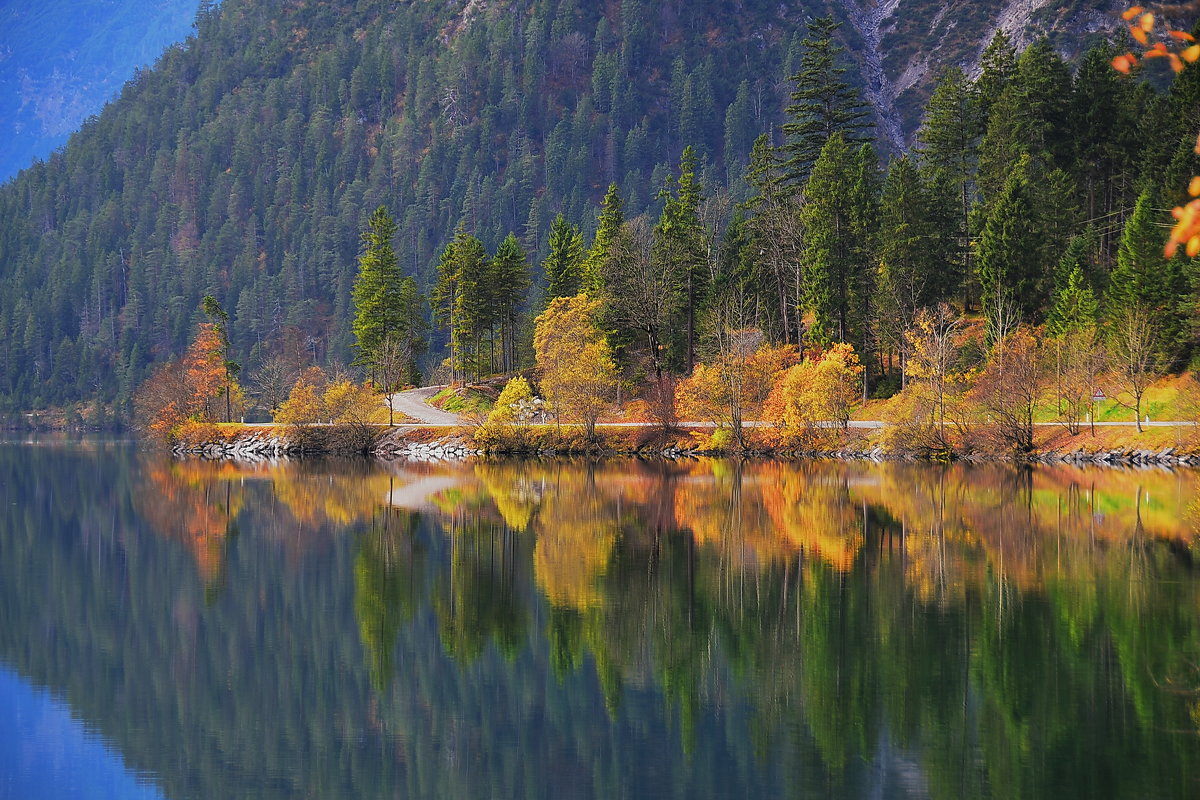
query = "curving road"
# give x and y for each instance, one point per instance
(414, 403)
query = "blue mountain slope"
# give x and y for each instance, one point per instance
(62, 60)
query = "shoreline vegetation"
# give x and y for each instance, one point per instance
(1111, 445)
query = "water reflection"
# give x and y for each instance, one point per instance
(618, 628)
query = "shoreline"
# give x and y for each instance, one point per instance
(441, 443)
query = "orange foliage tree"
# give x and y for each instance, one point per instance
(184, 390)
(817, 390)
(736, 383)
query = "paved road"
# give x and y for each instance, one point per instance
(414, 404)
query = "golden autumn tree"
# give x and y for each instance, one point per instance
(304, 406)
(736, 382)
(574, 359)
(934, 347)
(817, 390)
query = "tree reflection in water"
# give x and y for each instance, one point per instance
(638, 628)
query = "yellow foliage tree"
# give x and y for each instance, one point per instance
(817, 390)
(304, 406)
(933, 361)
(575, 361)
(348, 403)
(737, 382)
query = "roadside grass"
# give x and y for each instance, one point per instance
(475, 399)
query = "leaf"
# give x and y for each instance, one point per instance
(1131, 12)
(1191, 54)
(1176, 64)
(1193, 246)
(1146, 22)
(1182, 36)
(1194, 186)
(1123, 63)
(1139, 34)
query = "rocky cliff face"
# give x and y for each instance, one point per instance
(902, 45)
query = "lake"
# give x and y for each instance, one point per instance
(567, 629)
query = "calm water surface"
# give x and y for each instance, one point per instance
(623, 629)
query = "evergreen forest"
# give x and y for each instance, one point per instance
(698, 168)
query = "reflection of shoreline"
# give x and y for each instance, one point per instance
(949, 522)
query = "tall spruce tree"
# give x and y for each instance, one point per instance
(911, 248)
(1011, 248)
(510, 278)
(612, 217)
(563, 265)
(1144, 279)
(823, 103)
(679, 245)
(461, 302)
(949, 155)
(830, 261)
(378, 302)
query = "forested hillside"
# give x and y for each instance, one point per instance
(246, 163)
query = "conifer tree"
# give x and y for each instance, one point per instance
(220, 321)
(678, 245)
(997, 66)
(822, 103)
(510, 284)
(379, 293)
(830, 266)
(612, 217)
(911, 266)
(1010, 248)
(1073, 306)
(461, 301)
(949, 155)
(563, 265)
(1145, 280)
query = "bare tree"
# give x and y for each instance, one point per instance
(1134, 360)
(646, 291)
(272, 381)
(393, 366)
(933, 361)
(1010, 386)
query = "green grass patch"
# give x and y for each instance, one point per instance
(463, 400)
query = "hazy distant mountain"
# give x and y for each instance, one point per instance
(62, 60)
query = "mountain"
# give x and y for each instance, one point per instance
(60, 62)
(245, 163)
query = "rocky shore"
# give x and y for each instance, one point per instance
(412, 443)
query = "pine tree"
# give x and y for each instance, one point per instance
(612, 217)
(831, 268)
(911, 267)
(461, 301)
(562, 266)
(997, 66)
(1073, 306)
(1011, 247)
(949, 154)
(822, 103)
(510, 284)
(1145, 280)
(378, 289)
(678, 244)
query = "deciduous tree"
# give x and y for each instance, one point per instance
(574, 359)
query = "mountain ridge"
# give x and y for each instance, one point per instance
(244, 164)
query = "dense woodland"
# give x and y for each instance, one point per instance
(566, 145)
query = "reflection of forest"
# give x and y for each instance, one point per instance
(620, 628)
